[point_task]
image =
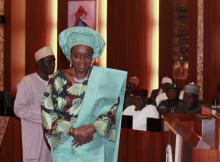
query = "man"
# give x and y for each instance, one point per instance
(173, 104)
(191, 103)
(131, 85)
(164, 82)
(141, 109)
(27, 107)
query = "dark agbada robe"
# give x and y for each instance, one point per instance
(168, 106)
(195, 109)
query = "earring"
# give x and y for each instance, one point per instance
(93, 62)
(71, 64)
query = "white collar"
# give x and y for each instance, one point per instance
(44, 81)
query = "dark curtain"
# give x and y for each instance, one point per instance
(129, 27)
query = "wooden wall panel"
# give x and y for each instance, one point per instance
(192, 41)
(205, 155)
(7, 46)
(165, 40)
(129, 31)
(142, 146)
(11, 147)
(211, 49)
(35, 31)
(62, 62)
(17, 43)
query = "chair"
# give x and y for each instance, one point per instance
(154, 125)
(6, 104)
(127, 121)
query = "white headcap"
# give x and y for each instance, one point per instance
(43, 52)
(166, 80)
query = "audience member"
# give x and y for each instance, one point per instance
(191, 103)
(131, 85)
(141, 109)
(173, 104)
(27, 107)
(155, 92)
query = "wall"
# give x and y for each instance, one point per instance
(129, 29)
(28, 27)
(130, 25)
(17, 43)
(211, 49)
(1, 47)
(167, 28)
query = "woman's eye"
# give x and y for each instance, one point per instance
(77, 56)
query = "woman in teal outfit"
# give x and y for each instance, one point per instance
(82, 105)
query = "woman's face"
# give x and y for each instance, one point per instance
(81, 57)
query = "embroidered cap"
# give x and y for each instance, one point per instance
(43, 52)
(191, 88)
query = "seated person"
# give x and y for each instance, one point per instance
(141, 109)
(173, 104)
(161, 97)
(164, 82)
(182, 91)
(132, 84)
(191, 103)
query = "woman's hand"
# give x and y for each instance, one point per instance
(83, 135)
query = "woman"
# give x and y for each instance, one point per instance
(81, 108)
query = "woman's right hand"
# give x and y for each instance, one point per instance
(83, 135)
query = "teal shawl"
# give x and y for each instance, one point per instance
(104, 88)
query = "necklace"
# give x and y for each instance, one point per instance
(80, 80)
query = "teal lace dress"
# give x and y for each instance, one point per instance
(61, 105)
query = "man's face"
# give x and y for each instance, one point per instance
(138, 102)
(172, 94)
(47, 64)
(188, 100)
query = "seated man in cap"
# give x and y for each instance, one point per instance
(172, 104)
(136, 95)
(164, 82)
(27, 107)
(191, 103)
(141, 109)
(132, 84)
